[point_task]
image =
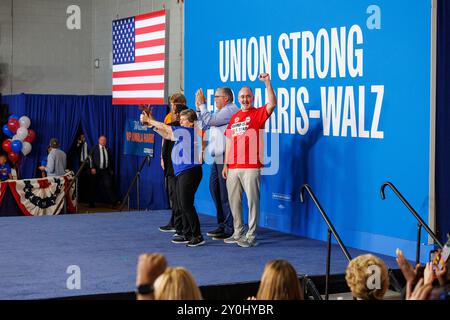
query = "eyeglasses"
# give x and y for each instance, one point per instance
(219, 96)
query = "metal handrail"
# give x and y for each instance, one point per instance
(419, 219)
(331, 231)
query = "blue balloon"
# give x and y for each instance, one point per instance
(16, 146)
(7, 132)
(13, 116)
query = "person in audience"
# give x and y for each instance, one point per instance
(176, 284)
(420, 282)
(56, 160)
(243, 160)
(279, 282)
(187, 167)
(102, 172)
(359, 274)
(150, 266)
(216, 123)
(5, 169)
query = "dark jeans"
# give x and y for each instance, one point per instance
(177, 217)
(102, 180)
(187, 184)
(219, 193)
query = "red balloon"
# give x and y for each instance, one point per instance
(13, 157)
(7, 145)
(13, 125)
(31, 136)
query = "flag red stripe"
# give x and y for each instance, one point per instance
(138, 101)
(155, 14)
(139, 73)
(150, 43)
(151, 57)
(157, 27)
(143, 86)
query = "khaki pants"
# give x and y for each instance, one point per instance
(248, 181)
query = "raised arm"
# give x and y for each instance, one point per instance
(160, 128)
(272, 103)
(208, 119)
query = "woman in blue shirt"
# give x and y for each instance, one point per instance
(186, 160)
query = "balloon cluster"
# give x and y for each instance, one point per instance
(21, 137)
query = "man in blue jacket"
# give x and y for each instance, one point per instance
(216, 122)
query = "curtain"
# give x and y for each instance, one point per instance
(60, 116)
(442, 120)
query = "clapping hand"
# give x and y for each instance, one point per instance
(199, 98)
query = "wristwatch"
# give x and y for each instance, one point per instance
(145, 289)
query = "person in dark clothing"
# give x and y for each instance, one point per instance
(176, 220)
(187, 166)
(102, 172)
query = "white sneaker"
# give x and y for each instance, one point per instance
(245, 243)
(232, 239)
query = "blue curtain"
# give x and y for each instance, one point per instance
(442, 120)
(60, 116)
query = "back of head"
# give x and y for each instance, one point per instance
(367, 277)
(176, 284)
(54, 143)
(279, 282)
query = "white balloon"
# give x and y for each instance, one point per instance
(16, 137)
(22, 133)
(26, 148)
(25, 122)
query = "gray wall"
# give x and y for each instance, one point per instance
(105, 11)
(39, 55)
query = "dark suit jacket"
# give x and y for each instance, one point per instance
(95, 159)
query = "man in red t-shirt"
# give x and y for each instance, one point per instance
(243, 160)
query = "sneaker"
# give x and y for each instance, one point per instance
(245, 243)
(196, 241)
(180, 239)
(167, 228)
(176, 234)
(222, 236)
(216, 232)
(232, 239)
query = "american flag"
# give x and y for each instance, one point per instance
(139, 59)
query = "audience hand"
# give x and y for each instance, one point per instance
(421, 291)
(407, 269)
(150, 267)
(428, 274)
(93, 171)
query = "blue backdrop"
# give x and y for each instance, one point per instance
(61, 115)
(380, 126)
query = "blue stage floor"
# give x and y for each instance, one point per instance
(36, 252)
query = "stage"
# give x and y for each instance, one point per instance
(36, 252)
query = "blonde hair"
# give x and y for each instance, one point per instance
(279, 282)
(357, 277)
(176, 284)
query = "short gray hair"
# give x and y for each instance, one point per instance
(228, 93)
